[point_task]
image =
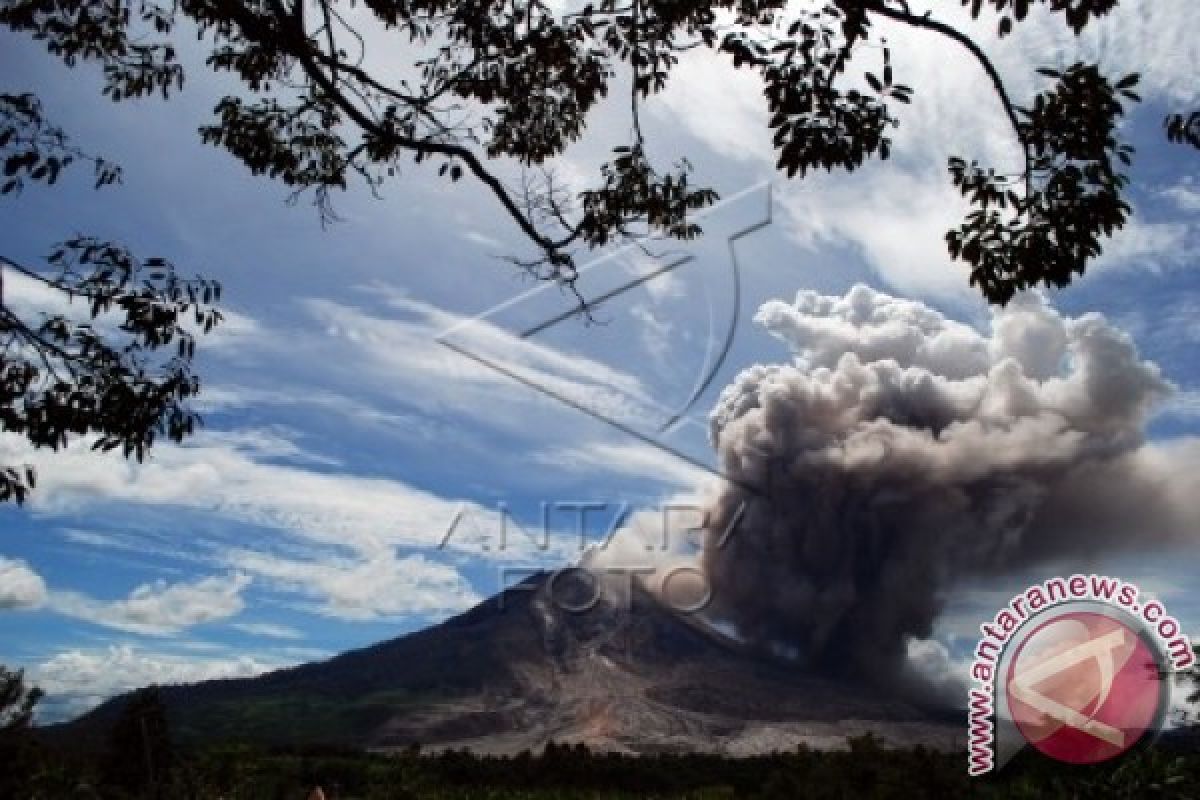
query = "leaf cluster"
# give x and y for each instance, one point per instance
(32, 149)
(120, 372)
(1044, 225)
(483, 88)
(17, 701)
(112, 362)
(1184, 128)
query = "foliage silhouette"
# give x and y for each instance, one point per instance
(140, 756)
(1189, 679)
(116, 367)
(1184, 128)
(863, 769)
(17, 703)
(513, 82)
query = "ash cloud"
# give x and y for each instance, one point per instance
(901, 452)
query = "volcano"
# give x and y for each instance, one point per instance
(520, 670)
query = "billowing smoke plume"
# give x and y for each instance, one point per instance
(901, 452)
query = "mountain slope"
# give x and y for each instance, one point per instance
(518, 670)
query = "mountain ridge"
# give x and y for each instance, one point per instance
(520, 670)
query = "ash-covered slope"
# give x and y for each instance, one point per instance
(518, 670)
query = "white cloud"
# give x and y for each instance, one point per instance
(404, 358)
(1186, 195)
(936, 673)
(627, 460)
(656, 332)
(159, 608)
(269, 630)
(663, 286)
(77, 680)
(161, 544)
(32, 298)
(897, 329)
(483, 240)
(227, 474)
(20, 586)
(222, 398)
(397, 360)
(701, 84)
(263, 443)
(379, 586)
(328, 513)
(1173, 324)
(365, 514)
(1184, 403)
(896, 217)
(231, 333)
(1151, 246)
(897, 212)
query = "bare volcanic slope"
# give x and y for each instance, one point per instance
(519, 670)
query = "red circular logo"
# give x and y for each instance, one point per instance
(1084, 687)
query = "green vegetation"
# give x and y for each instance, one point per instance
(142, 759)
(864, 769)
(295, 717)
(17, 701)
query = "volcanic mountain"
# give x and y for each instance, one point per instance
(520, 670)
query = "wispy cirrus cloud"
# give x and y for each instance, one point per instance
(356, 526)
(382, 585)
(336, 509)
(33, 298)
(630, 460)
(1185, 195)
(268, 629)
(159, 608)
(400, 356)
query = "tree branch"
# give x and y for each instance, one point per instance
(292, 24)
(930, 24)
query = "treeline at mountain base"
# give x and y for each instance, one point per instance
(865, 769)
(139, 759)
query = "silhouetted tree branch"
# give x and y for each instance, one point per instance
(110, 359)
(1184, 128)
(488, 87)
(17, 701)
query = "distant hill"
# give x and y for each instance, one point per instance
(518, 671)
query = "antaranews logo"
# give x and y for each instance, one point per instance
(1079, 668)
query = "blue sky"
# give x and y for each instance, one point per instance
(342, 437)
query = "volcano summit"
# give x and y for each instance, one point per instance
(518, 671)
